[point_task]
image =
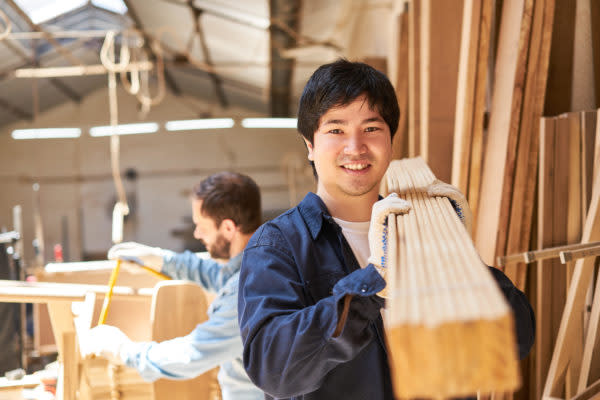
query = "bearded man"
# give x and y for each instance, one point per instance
(226, 210)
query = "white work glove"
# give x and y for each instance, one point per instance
(378, 238)
(104, 341)
(457, 199)
(131, 251)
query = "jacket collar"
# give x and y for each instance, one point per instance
(314, 212)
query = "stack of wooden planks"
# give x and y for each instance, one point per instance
(100, 380)
(522, 153)
(568, 201)
(449, 328)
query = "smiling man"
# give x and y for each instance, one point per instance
(309, 312)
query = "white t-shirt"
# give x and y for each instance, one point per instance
(357, 236)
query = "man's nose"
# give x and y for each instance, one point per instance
(355, 144)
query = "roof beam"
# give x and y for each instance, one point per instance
(65, 53)
(216, 79)
(57, 83)
(170, 81)
(287, 13)
(65, 89)
(17, 111)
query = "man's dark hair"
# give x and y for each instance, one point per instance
(230, 195)
(340, 83)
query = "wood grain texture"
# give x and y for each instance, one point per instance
(177, 308)
(523, 193)
(414, 102)
(445, 312)
(580, 281)
(498, 167)
(400, 143)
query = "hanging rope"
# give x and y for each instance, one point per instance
(121, 208)
(133, 86)
(143, 94)
(7, 25)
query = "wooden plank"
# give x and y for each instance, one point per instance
(580, 281)
(596, 161)
(498, 168)
(400, 143)
(69, 368)
(558, 89)
(470, 93)
(465, 94)
(479, 108)
(444, 45)
(591, 393)
(523, 194)
(573, 231)
(595, 19)
(424, 75)
(588, 138)
(177, 307)
(413, 78)
(545, 302)
(590, 341)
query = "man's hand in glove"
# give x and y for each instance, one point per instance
(457, 199)
(378, 239)
(105, 341)
(146, 255)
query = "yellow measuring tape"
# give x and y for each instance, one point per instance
(113, 280)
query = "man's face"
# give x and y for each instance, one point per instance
(351, 149)
(207, 231)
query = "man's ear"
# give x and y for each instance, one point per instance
(309, 146)
(228, 228)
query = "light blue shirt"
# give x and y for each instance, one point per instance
(215, 342)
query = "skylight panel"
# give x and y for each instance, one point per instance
(116, 6)
(43, 10)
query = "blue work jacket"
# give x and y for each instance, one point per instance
(215, 342)
(296, 271)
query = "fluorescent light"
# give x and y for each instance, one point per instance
(190, 124)
(127, 129)
(49, 133)
(269, 122)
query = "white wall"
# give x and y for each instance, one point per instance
(76, 184)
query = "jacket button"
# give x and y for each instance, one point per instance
(363, 289)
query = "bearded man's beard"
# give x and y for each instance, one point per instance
(220, 248)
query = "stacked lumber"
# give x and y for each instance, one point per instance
(434, 28)
(100, 380)
(566, 343)
(523, 155)
(449, 328)
(470, 98)
(510, 157)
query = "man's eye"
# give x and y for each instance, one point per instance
(372, 129)
(334, 131)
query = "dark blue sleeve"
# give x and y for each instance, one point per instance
(288, 339)
(523, 313)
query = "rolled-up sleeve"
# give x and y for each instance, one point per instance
(288, 339)
(189, 266)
